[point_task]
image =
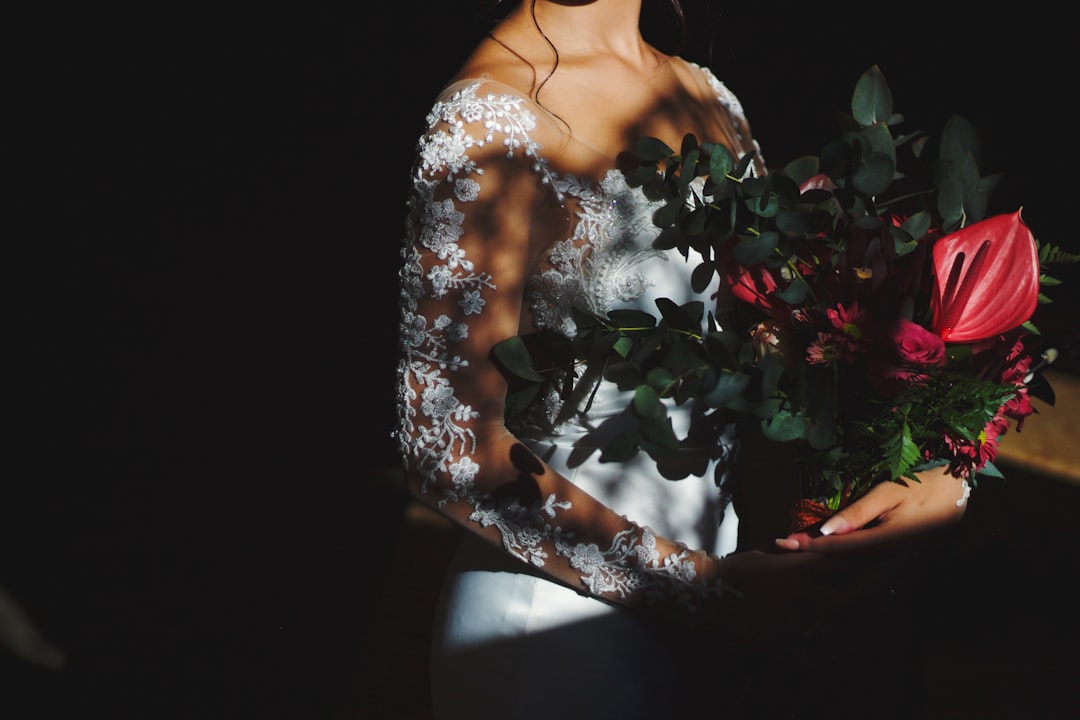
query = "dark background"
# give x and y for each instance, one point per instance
(204, 212)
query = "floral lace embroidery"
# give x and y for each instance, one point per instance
(595, 266)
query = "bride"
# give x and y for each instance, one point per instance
(582, 588)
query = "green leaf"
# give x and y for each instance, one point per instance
(695, 222)
(821, 433)
(750, 250)
(901, 452)
(670, 237)
(685, 317)
(690, 160)
(624, 346)
(917, 224)
(518, 400)
(651, 149)
(1050, 255)
(646, 403)
(802, 169)
(722, 348)
(959, 140)
(514, 357)
(794, 224)
(880, 141)
(721, 163)
(684, 356)
(621, 447)
(795, 292)
(744, 164)
(669, 213)
(702, 276)
(729, 387)
(660, 378)
(784, 426)
(645, 173)
(959, 193)
(874, 175)
(872, 101)
(689, 145)
(653, 419)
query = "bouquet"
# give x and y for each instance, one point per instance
(875, 317)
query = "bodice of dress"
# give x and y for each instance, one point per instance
(604, 260)
(608, 263)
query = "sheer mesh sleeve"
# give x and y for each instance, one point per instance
(467, 248)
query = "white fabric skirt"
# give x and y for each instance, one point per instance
(511, 645)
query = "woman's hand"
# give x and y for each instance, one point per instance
(889, 513)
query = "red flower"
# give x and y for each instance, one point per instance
(825, 350)
(1019, 405)
(755, 286)
(986, 279)
(915, 345)
(969, 457)
(850, 327)
(909, 350)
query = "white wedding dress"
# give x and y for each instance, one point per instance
(509, 640)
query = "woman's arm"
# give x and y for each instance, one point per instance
(479, 190)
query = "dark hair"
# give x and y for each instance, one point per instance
(668, 30)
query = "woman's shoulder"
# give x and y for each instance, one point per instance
(711, 85)
(493, 62)
(491, 80)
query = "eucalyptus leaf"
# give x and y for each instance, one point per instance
(821, 434)
(802, 169)
(874, 175)
(682, 317)
(651, 149)
(659, 430)
(795, 292)
(872, 101)
(518, 401)
(721, 164)
(729, 387)
(669, 213)
(621, 447)
(785, 426)
(515, 358)
(750, 250)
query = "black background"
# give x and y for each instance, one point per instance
(204, 212)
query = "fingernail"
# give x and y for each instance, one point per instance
(787, 544)
(829, 526)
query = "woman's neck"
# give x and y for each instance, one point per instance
(587, 29)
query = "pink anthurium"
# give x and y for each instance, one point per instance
(986, 279)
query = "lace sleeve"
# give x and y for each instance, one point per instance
(478, 184)
(730, 102)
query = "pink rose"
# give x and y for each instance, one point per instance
(910, 348)
(915, 345)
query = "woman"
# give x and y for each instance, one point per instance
(519, 210)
